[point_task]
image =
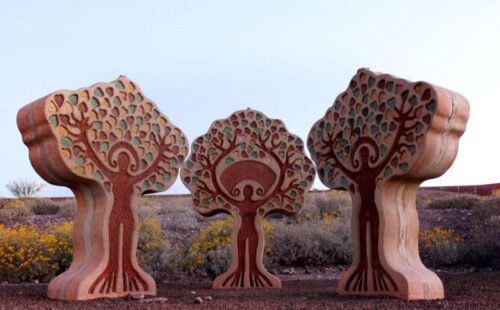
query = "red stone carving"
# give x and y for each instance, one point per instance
(249, 166)
(109, 144)
(381, 138)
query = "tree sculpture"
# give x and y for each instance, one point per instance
(109, 144)
(381, 138)
(249, 166)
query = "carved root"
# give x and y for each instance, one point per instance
(358, 281)
(237, 279)
(132, 281)
(381, 278)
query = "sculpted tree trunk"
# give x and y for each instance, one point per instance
(109, 144)
(248, 166)
(381, 138)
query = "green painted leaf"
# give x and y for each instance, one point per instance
(98, 92)
(117, 101)
(139, 98)
(371, 81)
(392, 102)
(79, 161)
(73, 99)
(94, 102)
(156, 114)
(97, 125)
(431, 106)
(66, 142)
(98, 176)
(122, 124)
(403, 167)
(388, 172)
(53, 120)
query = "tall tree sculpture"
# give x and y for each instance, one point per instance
(381, 138)
(249, 166)
(109, 144)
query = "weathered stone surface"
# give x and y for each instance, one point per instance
(381, 138)
(109, 144)
(249, 166)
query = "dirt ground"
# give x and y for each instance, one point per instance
(471, 290)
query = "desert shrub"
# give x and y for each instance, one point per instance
(311, 243)
(14, 211)
(44, 207)
(67, 209)
(24, 188)
(210, 251)
(485, 244)
(148, 201)
(326, 206)
(26, 255)
(154, 253)
(443, 246)
(461, 202)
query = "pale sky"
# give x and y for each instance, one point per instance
(202, 60)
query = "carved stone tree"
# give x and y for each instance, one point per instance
(381, 138)
(249, 166)
(109, 144)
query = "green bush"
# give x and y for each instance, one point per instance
(442, 247)
(44, 207)
(324, 206)
(27, 255)
(154, 253)
(14, 211)
(462, 203)
(209, 253)
(312, 243)
(484, 248)
(67, 209)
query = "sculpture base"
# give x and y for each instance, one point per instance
(71, 286)
(415, 284)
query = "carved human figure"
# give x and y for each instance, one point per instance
(381, 138)
(249, 166)
(109, 144)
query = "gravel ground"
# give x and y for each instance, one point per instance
(469, 290)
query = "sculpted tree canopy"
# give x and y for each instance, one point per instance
(248, 165)
(381, 138)
(109, 144)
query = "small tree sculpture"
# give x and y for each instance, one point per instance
(248, 166)
(381, 138)
(110, 145)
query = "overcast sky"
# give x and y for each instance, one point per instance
(202, 60)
